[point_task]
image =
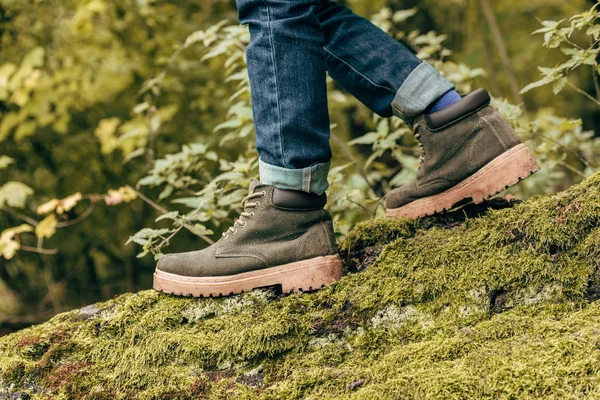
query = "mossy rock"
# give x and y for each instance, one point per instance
(499, 306)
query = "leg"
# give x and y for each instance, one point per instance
(283, 237)
(286, 65)
(470, 151)
(374, 67)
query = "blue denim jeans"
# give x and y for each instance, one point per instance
(293, 44)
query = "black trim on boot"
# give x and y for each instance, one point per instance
(297, 200)
(469, 104)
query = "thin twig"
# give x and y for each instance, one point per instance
(498, 40)
(579, 156)
(163, 210)
(584, 93)
(148, 201)
(594, 72)
(20, 216)
(48, 252)
(564, 164)
(377, 205)
(77, 220)
(360, 205)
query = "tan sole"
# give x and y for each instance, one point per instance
(498, 175)
(302, 276)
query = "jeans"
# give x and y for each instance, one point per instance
(293, 44)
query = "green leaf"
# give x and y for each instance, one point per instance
(542, 82)
(14, 194)
(5, 161)
(47, 227)
(147, 234)
(559, 85)
(169, 215)
(403, 15)
(199, 230)
(9, 246)
(369, 138)
(232, 124)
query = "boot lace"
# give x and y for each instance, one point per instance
(415, 130)
(245, 215)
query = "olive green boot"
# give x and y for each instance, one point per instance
(469, 152)
(283, 238)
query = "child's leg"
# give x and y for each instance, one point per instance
(376, 68)
(286, 65)
(469, 150)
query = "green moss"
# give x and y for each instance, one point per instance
(499, 306)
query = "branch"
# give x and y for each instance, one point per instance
(48, 252)
(163, 210)
(579, 156)
(20, 216)
(584, 93)
(594, 72)
(500, 45)
(77, 220)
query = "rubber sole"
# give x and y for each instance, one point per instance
(504, 171)
(300, 276)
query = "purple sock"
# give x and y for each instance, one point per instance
(449, 98)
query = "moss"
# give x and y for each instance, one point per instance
(502, 304)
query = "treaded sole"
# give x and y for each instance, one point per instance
(300, 276)
(504, 171)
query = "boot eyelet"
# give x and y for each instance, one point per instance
(264, 193)
(257, 204)
(243, 224)
(252, 214)
(235, 231)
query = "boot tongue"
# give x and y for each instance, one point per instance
(254, 183)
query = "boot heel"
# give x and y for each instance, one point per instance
(504, 171)
(313, 274)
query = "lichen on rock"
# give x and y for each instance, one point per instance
(499, 305)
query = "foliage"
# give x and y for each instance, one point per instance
(557, 36)
(501, 306)
(103, 96)
(390, 140)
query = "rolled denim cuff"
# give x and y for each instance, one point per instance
(310, 179)
(422, 87)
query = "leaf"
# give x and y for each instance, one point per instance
(47, 207)
(123, 194)
(134, 154)
(593, 31)
(559, 85)
(542, 82)
(403, 15)
(46, 228)
(9, 246)
(232, 124)
(25, 130)
(369, 138)
(5, 161)
(169, 215)
(199, 230)
(68, 203)
(142, 237)
(106, 134)
(14, 194)
(569, 124)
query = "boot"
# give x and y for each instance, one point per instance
(469, 152)
(283, 238)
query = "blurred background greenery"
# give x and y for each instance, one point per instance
(116, 113)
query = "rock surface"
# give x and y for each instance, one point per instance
(501, 304)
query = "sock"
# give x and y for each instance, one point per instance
(449, 98)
